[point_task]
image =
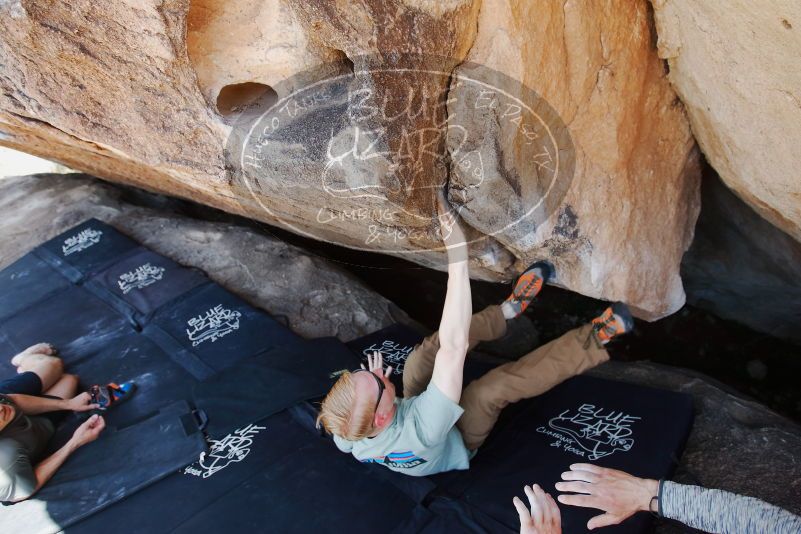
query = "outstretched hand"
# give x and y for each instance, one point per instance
(543, 517)
(620, 495)
(375, 364)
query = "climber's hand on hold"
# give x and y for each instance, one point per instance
(451, 231)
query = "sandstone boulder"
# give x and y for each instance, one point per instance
(737, 68)
(576, 149)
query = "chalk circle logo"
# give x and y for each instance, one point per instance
(362, 148)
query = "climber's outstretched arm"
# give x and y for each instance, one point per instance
(455, 323)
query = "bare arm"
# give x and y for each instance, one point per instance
(44, 470)
(455, 323)
(32, 405)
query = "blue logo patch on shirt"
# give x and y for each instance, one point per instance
(400, 460)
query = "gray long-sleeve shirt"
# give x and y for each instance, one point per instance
(718, 511)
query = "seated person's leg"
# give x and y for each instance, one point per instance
(40, 348)
(37, 369)
(65, 388)
(537, 372)
(48, 368)
(34, 352)
(24, 384)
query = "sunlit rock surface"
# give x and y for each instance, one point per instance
(737, 67)
(161, 94)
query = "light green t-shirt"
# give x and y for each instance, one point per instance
(421, 440)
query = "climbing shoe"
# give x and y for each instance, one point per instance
(111, 394)
(614, 321)
(528, 285)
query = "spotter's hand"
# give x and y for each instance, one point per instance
(543, 517)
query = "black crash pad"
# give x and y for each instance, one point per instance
(85, 249)
(275, 475)
(209, 329)
(75, 321)
(259, 386)
(479, 500)
(105, 471)
(159, 380)
(72, 298)
(142, 282)
(27, 281)
(637, 429)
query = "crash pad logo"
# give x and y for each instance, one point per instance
(81, 241)
(591, 432)
(216, 323)
(139, 278)
(369, 142)
(233, 448)
(394, 354)
(399, 460)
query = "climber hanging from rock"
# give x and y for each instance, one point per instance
(437, 426)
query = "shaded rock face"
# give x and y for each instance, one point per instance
(736, 444)
(553, 128)
(740, 267)
(316, 298)
(737, 68)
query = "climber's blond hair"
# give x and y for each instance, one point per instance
(340, 415)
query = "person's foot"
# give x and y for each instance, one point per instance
(616, 320)
(528, 285)
(111, 394)
(45, 349)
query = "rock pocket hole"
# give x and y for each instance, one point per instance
(247, 96)
(343, 59)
